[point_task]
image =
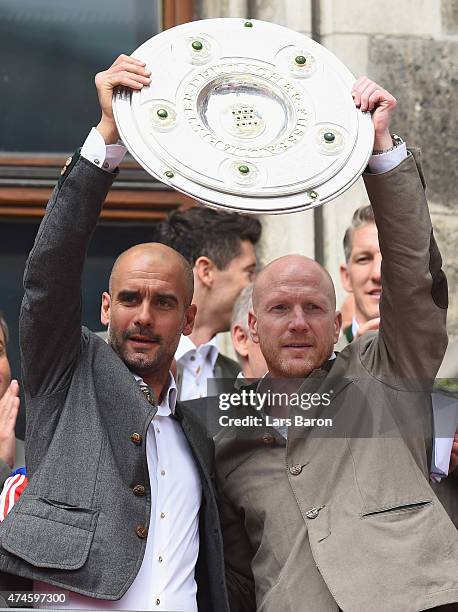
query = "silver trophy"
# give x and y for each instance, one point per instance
(246, 116)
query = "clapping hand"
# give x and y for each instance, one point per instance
(9, 408)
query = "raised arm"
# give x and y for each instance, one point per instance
(50, 321)
(412, 337)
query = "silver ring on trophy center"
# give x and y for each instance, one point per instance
(245, 107)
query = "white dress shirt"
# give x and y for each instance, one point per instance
(445, 416)
(100, 154)
(198, 363)
(354, 327)
(166, 579)
(384, 162)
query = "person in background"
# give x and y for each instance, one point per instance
(361, 278)
(119, 511)
(220, 246)
(251, 360)
(9, 408)
(249, 354)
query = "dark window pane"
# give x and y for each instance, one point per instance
(50, 51)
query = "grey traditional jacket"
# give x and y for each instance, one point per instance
(79, 524)
(346, 518)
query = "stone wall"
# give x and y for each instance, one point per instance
(424, 76)
(410, 47)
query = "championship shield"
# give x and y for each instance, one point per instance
(245, 116)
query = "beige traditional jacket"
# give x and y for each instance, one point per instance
(346, 518)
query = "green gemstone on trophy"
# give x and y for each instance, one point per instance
(313, 195)
(300, 59)
(197, 45)
(329, 136)
(248, 24)
(162, 113)
(244, 169)
(169, 174)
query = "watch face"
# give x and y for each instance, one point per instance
(245, 116)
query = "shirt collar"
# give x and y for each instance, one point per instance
(169, 395)
(186, 348)
(354, 327)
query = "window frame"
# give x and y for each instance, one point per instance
(27, 179)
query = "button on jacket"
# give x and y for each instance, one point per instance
(78, 525)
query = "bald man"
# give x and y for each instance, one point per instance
(119, 512)
(322, 467)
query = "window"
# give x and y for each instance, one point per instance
(50, 52)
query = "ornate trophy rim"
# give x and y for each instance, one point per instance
(271, 130)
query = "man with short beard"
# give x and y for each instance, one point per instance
(344, 518)
(119, 512)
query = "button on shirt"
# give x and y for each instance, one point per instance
(166, 578)
(198, 365)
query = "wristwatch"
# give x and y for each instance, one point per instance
(397, 140)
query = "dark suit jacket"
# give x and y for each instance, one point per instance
(76, 524)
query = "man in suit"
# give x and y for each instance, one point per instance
(119, 512)
(220, 246)
(361, 273)
(325, 501)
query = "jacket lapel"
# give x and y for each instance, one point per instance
(201, 446)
